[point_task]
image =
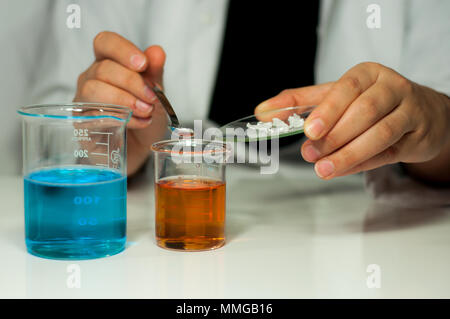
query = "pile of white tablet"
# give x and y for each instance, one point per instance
(277, 126)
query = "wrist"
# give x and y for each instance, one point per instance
(437, 170)
(446, 103)
(135, 163)
(137, 155)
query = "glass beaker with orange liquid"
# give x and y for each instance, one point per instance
(190, 194)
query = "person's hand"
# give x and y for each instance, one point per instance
(370, 117)
(122, 75)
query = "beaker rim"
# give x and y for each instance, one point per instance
(207, 146)
(121, 113)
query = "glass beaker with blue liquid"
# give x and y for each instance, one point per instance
(75, 185)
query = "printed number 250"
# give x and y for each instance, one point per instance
(80, 132)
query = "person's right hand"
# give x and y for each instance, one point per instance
(121, 75)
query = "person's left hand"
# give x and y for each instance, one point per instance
(370, 117)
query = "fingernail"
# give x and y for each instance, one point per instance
(149, 94)
(137, 61)
(315, 128)
(144, 107)
(324, 168)
(310, 153)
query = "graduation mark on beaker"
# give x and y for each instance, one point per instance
(105, 145)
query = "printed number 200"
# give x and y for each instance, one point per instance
(80, 153)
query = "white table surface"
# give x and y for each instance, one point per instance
(289, 235)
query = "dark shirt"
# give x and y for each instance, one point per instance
(268, 46)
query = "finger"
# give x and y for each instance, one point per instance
(119, 76)
(386, 157)
(156, 58)
(308, 95)
(139, 123)
(363, 113)
(372, 142)
(96, 91)
(110, 45)
(390, 155)
(155, 130)
(341, 95)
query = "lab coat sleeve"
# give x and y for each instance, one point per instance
(426, 50)
(66, 52)
(425, 60)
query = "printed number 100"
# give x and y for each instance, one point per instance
(86, 200)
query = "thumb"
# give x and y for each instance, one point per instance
(156, 58)
(305, 96)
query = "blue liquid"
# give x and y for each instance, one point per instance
(75, 213)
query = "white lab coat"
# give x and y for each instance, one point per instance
(41, 58)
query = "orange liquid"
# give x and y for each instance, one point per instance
(190, 213)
